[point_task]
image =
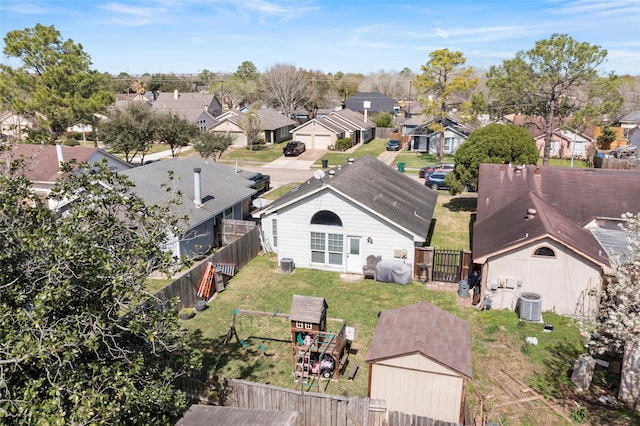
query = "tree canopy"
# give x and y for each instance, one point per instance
(444, 84)
(545, 81)
(212, 144)
(130, 131)
(286, 87)
(54, 82)
(81, 340)
(495, 143)
(175, 131)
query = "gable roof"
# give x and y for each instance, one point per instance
(307, 309)
(188, 106)
(42, 163)
(423, 129)
(379, 102)
(393, 196)
(425, 329)
(273, 120)
(565, 200)
(350, 118)
(221, 186)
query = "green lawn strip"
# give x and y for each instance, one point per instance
(278, 192)
(416, 160)
(257, 153)
(453, 215)
(566, 162)
(373, 148)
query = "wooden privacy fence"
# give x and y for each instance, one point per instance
(314, 409)
(447, 265)
(239, 252)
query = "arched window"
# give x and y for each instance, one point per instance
(544, 251)
(325, 217)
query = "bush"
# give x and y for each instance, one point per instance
(344, 144)
(70, 142)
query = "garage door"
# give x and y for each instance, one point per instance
(303, 137)
(321, 142)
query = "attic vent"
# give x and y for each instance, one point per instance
(332, 172)
(531, 213)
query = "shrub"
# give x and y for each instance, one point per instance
(344, 144)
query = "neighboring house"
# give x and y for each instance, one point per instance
(370, 103)
(276, 127)
(565, 142)
(208, 192)
(16, 126)
(420, 362)
(324, 131)
(197, 108)
(630, 120)
(124, 99)
(335, 220)
(42, 164)
(423, 139)
(548, 231)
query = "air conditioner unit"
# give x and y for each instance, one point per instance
(287, 265)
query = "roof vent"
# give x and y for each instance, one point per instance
(350, 160)
(331, 173)
(531, 213)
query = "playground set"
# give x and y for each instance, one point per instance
(316, 353)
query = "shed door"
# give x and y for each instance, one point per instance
(354, 261)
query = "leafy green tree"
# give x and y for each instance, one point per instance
(383, 119)
(81, 340)
(174, 131)
(543, 82)
(444, 84)
(212, 144)
(618, 320)
(607, 137)
(54, 82)
(130, 132)
(168, 83)
(495, 143)
(247, 71)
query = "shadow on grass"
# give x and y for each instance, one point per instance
(462, 204)
(556, 383)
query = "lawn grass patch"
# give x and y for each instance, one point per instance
(278, 192)
(566, 162)
(373, 148)
(454, 216)
(416, 160)
(254, 154)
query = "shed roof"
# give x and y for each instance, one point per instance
(204, 415)
(426, 329)
(307, 309)
(396, 197)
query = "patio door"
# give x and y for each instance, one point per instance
(354, 261)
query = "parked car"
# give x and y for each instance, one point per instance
(422, 173)
(435, 180)
(261, 182)
(294, 148)
(393, 145)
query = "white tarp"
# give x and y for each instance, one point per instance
(394, 271)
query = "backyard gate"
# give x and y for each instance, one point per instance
(450, 265)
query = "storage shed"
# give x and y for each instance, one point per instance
(420, 362)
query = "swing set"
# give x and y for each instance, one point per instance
(237, 321)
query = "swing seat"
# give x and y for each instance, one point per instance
(245, 344)
(262, 347)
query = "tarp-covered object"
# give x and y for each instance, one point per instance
(394, 271)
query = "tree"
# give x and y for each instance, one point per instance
(444, 85)
(174, 131)
(253, 127)
(618, 320)
(130, 132)
(495, 143)
(543, 81)
(247, 71)
(607, 137)
(81, 340)
(383, 119)
(55, 82)
(286, 87)
(212, 144)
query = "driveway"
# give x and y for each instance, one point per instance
(303, 161)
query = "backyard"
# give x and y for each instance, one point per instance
(505, 367)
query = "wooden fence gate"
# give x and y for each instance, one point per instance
(447, 265)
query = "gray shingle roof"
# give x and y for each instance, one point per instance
(426, 329)
(188, 106)
(371, 183)
(379, 102)
(221, 186)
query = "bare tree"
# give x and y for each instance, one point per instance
(392, 84)
(286, 87)
(253, 126)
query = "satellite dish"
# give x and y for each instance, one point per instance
(259, 203)
(318, 174)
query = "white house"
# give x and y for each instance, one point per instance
(336, 219)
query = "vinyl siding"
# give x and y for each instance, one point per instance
(294, 227)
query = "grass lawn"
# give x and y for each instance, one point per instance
(258, 153)
(373, 148)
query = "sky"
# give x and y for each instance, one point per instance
(351, 36)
